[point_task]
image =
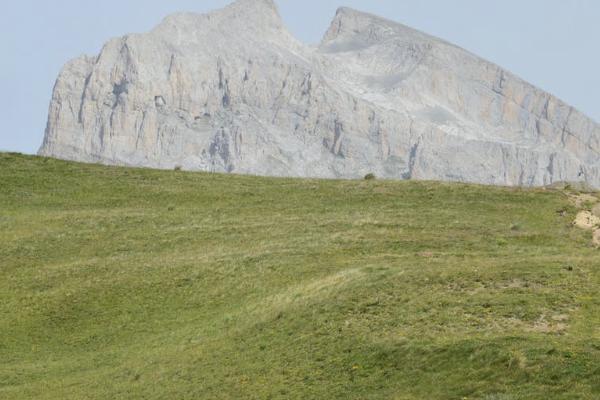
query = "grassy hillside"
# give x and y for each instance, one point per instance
(137, 284)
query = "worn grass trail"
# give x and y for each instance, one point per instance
(131, 283)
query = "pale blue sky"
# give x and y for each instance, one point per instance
(551, 43)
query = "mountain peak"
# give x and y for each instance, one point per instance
(260, 13)
(256, 4)
(351, 24)
(233, 91)
(346, 11)
(250, 18)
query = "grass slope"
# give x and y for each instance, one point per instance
(123, 284)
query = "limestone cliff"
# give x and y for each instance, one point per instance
(233, 91)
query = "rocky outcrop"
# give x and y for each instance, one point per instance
(233, 91)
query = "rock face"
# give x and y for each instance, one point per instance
(233, 91)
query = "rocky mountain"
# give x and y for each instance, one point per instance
(234, 91)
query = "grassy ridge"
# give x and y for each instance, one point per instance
(124, 283)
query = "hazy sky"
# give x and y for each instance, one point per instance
(551, 43)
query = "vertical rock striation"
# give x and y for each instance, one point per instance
(233, 91)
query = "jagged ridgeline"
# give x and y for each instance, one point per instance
(233, 91)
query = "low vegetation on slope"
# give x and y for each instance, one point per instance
(120, 283)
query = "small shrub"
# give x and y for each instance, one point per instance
(178, 168)
(370, 177)
(588, 205)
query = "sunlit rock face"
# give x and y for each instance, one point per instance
(233, 91)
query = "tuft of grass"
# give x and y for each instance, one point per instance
(515, 227)
(135, 283)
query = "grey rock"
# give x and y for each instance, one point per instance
(233, 91)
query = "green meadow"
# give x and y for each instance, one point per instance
(119, 283)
